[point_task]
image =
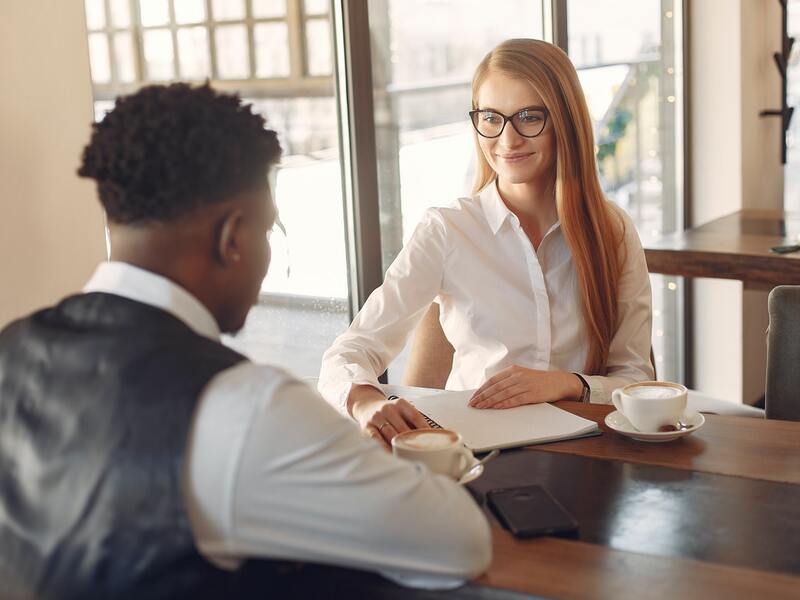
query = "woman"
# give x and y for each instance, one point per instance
(542, 283)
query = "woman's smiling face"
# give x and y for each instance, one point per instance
(516, 159)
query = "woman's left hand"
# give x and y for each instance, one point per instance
(516, 385)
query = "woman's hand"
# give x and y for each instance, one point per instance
(382, 419)
(516, 386)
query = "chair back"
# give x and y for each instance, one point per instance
(782, 399)
(431, 357)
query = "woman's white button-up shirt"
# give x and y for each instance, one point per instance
(502, 303)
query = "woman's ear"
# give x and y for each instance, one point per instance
(229, 240)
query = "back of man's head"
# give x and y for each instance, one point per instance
(166, 150)
(181, 172)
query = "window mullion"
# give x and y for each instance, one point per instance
(137, 33)
(296, 25)
(211, 22)
(173, 30)
(251, 40)
(353, 63)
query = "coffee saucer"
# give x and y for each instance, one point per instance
(472, 473)
(619, 423)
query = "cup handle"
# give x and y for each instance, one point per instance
(616, 399)
(465, 458)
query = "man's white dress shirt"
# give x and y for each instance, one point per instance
(273, 472)
(502, 303)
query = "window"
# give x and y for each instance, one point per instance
(791, 185)
(628, 56)
(278, 55)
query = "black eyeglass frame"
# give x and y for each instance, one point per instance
(506, 119)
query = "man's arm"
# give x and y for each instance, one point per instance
(308, 486)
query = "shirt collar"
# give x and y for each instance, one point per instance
(140, 285)
(496, 211)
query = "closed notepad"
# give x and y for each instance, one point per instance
(487, 429)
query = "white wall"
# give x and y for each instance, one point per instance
(51, 229)
(735, 165)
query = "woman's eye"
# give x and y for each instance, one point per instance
(490, 117)
(529, 117)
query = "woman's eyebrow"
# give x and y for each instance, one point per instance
(533, 107)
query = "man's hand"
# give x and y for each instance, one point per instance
(380, 418)
(516, 386)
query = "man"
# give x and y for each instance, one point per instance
(138, 455)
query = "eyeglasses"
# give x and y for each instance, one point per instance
(529, 122)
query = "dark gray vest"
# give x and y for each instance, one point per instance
(96, 401)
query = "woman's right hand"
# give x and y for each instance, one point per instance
(382, 419)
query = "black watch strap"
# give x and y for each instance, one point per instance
(587, 391)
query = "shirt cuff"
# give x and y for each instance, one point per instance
(336, 392)
(597, 389)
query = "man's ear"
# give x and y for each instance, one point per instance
(229, 240)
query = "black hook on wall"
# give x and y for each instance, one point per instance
(782, 61)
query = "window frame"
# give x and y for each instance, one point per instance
(298, 82)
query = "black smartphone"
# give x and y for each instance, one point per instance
(530, 511)
(785, 249)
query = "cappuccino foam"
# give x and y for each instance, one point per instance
(428, 440)
(653, 392)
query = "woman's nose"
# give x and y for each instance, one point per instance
(510, 138)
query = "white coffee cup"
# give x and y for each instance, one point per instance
(651, 405)
(441, 450)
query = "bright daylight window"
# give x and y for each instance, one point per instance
(278, 55)
(791, 185)
(629, 59)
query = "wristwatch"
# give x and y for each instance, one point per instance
(587, 391)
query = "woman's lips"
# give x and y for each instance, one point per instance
(515, 158)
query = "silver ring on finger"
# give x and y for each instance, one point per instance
(380, 429)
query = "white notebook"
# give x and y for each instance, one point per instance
(488, 429)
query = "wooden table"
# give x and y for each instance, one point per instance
(754, 449)
(732, 247)
(740, 475)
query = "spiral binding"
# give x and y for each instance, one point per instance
(431, 423)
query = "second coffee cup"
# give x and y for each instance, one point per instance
(441, 450)
(651, 405)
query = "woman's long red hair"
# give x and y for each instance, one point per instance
(592, 229)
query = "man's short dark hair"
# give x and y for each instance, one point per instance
(167, 150)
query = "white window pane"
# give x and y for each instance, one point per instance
(232, 55)
(123, 51)
(120, 13)
(95, 14)
(193, 52)
(265, 9)
(159, 54)
(315, 7)
(228, 10)
(98, 58)
(791, 182)
(154, 12)
(190, 11)
(272, 50)
(102, 108)
(318, 40)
